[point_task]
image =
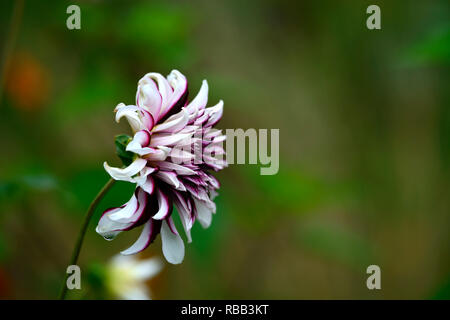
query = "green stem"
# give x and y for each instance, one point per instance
(82, 233)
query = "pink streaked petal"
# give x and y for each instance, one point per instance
(200, 100)
(147, 119)
(139, 143)
(213, 181)
(164, 206)
(174, 123)
(128, 216)
(202, 119)
(172, 244)
(171, 226)
(148, 97)
(214, 150)
(132, 115)
(164, 89)
(203, 213)
(181, 156)
(170, 178)
(168, 139)
(215, 114)
(126, 174)
(149, 185)
(108, 228)
(210, 133)
(179, 169)
(159, 154)
(214, 163)
(219, 139)
(196, 180)
(149, 232)
(179, 84)
(127, 211)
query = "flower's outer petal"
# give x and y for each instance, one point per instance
(214, 163)
(141, 179)
(149, 185)
(179, 169)
(127, 211)
(108, 228)
(199, 102)
(148, 234)
(138, 202)
(132, 115)
(126, 174)
(204, 214)
(148, 96)
(164, 89)
(172, 244)
(219, 139)
(159, 154)
(174, 123)
(210, 133)
(181, 156)
(148, 121)
(170, 178)
(213, 181)
(214, 149)
(140, 142)
(215, 114)
(164, 205)
(184, 211)
(179, 96)
(201, 120)
(168, 139)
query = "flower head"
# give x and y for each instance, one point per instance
(169, 158)
(126, 276)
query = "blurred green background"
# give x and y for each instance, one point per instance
(364, 119)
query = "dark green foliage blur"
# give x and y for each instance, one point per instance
(364, 119)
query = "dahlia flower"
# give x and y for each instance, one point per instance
(169, 158)
(126, 276)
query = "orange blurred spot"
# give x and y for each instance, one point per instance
(5, 288)
(27, 83)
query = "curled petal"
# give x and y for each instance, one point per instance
(126, 174)
(132, 115)
(164, 89)
(127, 211)
(179, 96)
(214, 113)
(138, 205)
(108, 228)
(200, 99)
(173, 124)
(148, 121)
(170, 178)
(149, 185)
(164, 206)
(149, 232)
(148, 96)
(140, 142)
